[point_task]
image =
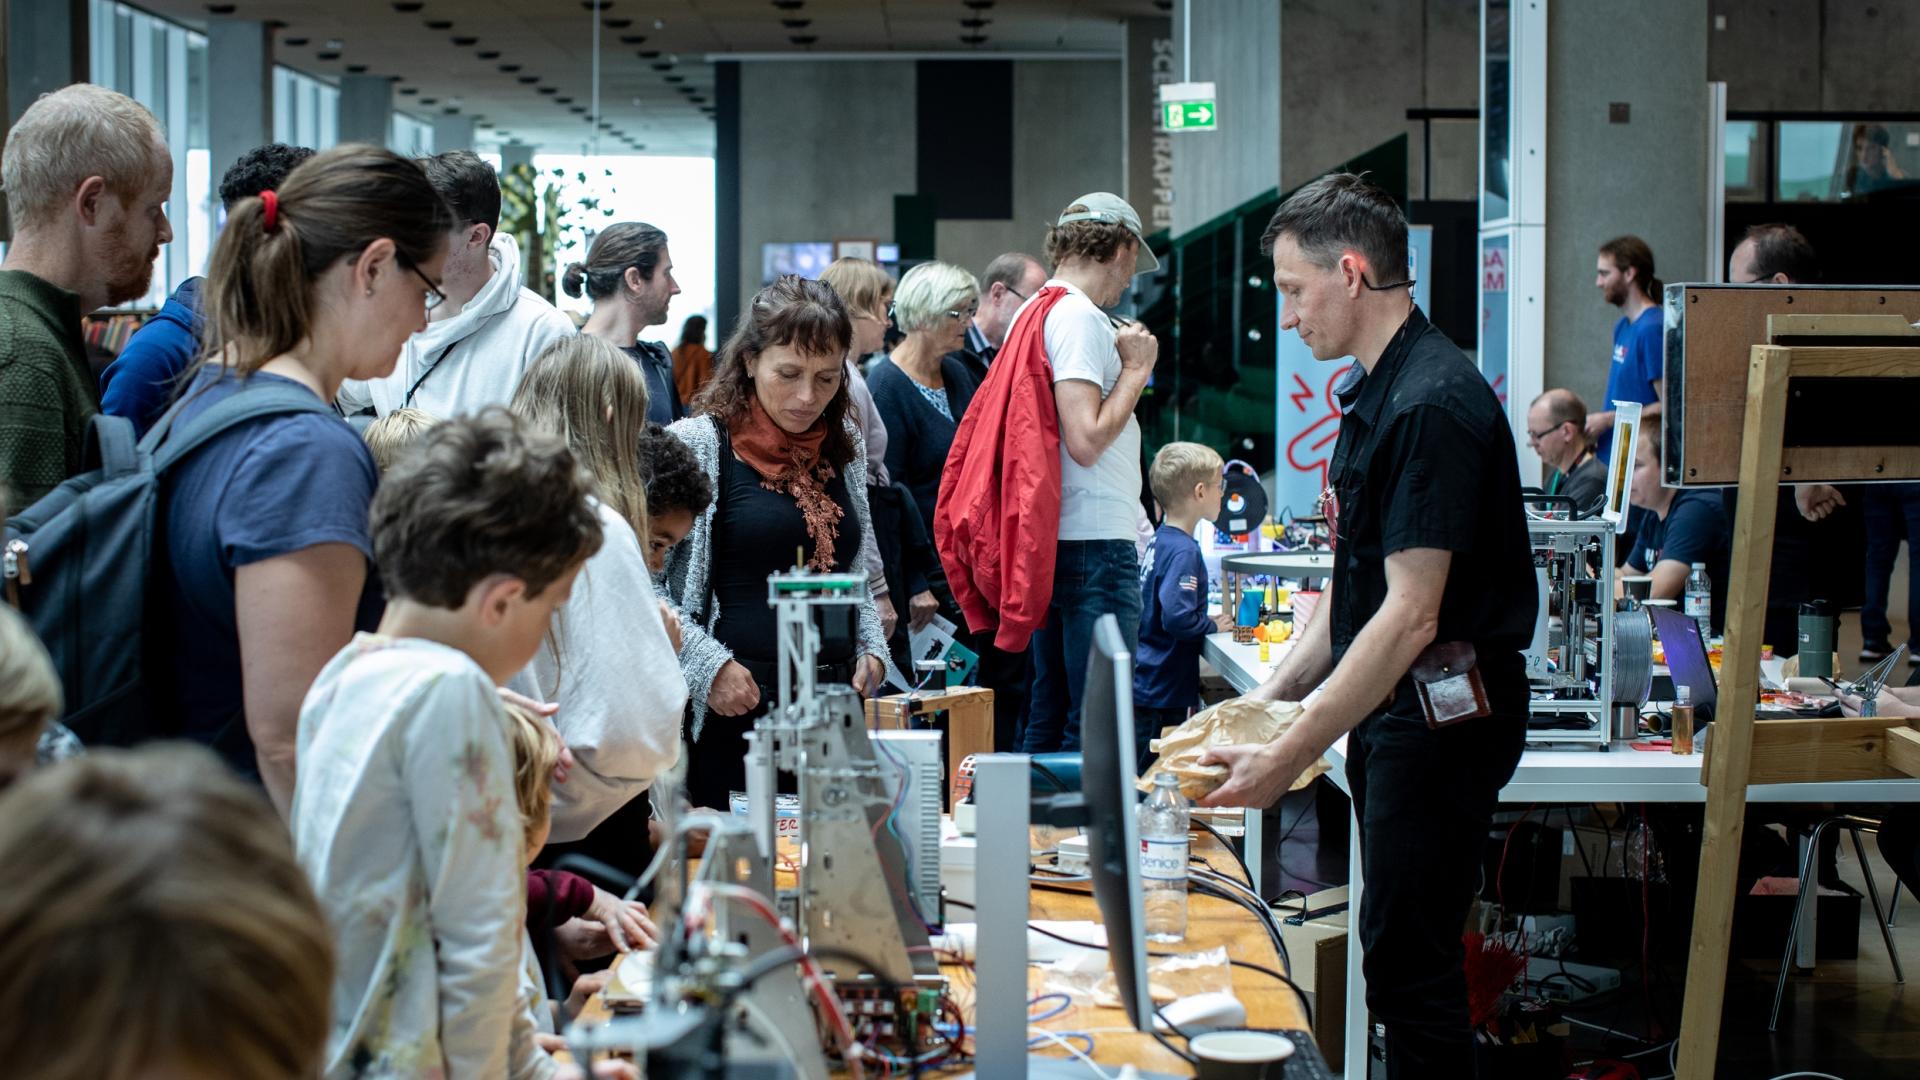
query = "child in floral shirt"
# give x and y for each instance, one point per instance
(405, 814)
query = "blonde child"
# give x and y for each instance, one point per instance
(392, 434)
(154, 924)
(1186, 479)
(405, 812)
(29, 696)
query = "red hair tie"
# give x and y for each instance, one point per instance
(272, 203)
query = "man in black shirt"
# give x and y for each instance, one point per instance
(1431, 550)
(1557, 428)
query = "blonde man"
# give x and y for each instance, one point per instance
(87, 177)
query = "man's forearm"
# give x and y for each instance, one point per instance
(1117, 408)
(1373, 665)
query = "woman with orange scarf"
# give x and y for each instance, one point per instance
(788, 466)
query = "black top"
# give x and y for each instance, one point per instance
(656, 363)
(918, 437)
(1694, 531)
(1586, 484)
(1426, 460)
(755, 534)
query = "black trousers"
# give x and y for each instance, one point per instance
(1425, 801)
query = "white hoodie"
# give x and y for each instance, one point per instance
(616, 679)
(476, 357)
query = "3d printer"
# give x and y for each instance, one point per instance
(1590, 665)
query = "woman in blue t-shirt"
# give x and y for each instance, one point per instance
(266, 524)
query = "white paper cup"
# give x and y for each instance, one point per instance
(1240, 1055)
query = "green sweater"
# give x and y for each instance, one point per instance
(47, 389)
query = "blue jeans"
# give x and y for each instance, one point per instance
(1892, 512)
(1091, 578)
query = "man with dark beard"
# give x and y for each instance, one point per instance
(1625, 278)
(87, 175)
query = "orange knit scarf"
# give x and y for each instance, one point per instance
(791, 464)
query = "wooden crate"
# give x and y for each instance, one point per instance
(1710, 334)
(964, 714)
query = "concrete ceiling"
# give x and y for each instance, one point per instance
(656, 84)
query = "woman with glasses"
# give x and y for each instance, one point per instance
(922, 390)
(268, 546)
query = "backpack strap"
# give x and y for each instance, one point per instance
(248, 404)
(110, 446)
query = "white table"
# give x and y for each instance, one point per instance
(1618, 774)
(1287, 564)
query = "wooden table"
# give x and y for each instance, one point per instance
(1211, 923)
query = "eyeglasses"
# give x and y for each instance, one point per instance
(1536, 436)
(434, 296)
(969, 313)
(1015, 291)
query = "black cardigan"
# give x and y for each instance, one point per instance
(918, 437)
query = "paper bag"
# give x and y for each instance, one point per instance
(1230, 722)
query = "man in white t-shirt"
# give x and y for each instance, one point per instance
(1100, 366)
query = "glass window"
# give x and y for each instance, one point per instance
(408, 134)
(1745, 154)
(1810, 160)
(1496, 119)
(162, 65)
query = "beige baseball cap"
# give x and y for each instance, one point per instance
(1104, 206)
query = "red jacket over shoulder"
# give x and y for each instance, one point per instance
(997, 521)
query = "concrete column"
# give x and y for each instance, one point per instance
(1234, 44)
(240, 111)
(46, 48)
(1663, 133)
(366, 108)
(452, 133)
(515, 153)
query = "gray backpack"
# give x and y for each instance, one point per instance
(82, 564)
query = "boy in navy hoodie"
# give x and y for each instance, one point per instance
(1186, 481)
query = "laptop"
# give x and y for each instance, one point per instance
(1686, 660)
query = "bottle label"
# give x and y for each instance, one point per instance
(1163, 860)
(1698, 607)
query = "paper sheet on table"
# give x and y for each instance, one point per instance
(1225, 724)
(935, 641)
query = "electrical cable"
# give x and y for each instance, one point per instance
(1252, 882)
(1085, 1059)
(1251, 902)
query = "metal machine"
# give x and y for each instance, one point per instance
(752, 980)
(1588, 656)
(1590, 665)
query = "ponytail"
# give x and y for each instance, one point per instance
(570, 281)
(260, 283)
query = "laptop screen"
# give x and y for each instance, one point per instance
(1686, 657)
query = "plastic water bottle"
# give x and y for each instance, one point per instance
(1163, 859)
(1699, 601)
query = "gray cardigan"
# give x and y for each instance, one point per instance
(688, 567)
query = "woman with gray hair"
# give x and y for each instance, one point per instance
(922, 390)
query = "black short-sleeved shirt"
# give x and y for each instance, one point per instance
(1694, 531)
(1585, 484)
(1426, 460)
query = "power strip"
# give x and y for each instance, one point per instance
(1072, 856)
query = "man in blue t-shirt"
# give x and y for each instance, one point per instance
(1682, 526)
(1186, 481)
(1626, 279)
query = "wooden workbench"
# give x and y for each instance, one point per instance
(1211, 923)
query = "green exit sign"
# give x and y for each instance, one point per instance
(1188, 116)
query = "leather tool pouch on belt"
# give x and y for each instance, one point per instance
(1447, 677)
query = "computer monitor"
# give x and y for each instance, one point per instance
(1113, 835)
